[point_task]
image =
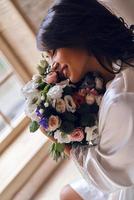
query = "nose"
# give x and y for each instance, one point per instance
(58, 67)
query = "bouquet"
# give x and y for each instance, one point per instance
(68, 112)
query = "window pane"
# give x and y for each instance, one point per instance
(4, 129)
(30, 7)
(5, 67)
(12, 101)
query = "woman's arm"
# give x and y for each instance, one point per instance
(110, 165)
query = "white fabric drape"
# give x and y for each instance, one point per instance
(109, 166)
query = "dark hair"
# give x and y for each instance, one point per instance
(90, 25)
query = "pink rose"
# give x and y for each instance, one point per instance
(77, 135)
(53, 123)
(51, 78)
(78, 99)
(94, 92)
(82, 92)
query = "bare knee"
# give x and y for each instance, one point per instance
(67, 193)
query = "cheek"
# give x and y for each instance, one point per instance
(77, 69)
(76, 73)
(76, 61)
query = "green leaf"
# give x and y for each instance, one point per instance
(41, 70)
(44, 63)
(41, 86)
(34, 126)
(57, 151)
(46, 89)
(60, 147)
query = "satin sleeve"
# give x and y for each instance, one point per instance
(110, 165)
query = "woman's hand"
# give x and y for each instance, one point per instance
(45, 133)
(67, 146)
(67, 149)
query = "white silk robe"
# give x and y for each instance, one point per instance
(108, 168)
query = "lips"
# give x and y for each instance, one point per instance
(64, 71)
(61, 76)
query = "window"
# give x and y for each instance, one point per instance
(22, 151)
(12, 102)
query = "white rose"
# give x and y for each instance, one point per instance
(30, 110)
(30, 88)
(61, 137)
(70, 105)
(91, 133)
(55, 92)
(60, 105)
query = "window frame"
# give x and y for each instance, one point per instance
(24, 77)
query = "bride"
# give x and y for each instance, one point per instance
(81, 36)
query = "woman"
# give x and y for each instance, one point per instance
(82, 36)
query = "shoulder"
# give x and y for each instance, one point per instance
(118, 125)
(118, 108)
(121, 88)
(123, 81)
(118, 99)
(121, 107)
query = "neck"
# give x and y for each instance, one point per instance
(94, 65)
(106, 74)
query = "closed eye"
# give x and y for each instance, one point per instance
(51, 52)
(54, 51)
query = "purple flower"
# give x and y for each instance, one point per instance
(38, 112)
(44, 122)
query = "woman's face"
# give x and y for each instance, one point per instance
(73, 63)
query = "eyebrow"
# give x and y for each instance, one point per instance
(53, 51)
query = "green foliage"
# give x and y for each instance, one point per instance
(41, 86)
(43, 66)
(46, 89)
(34, 126)
(44, 63)
(57, 151)
(41, 70)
